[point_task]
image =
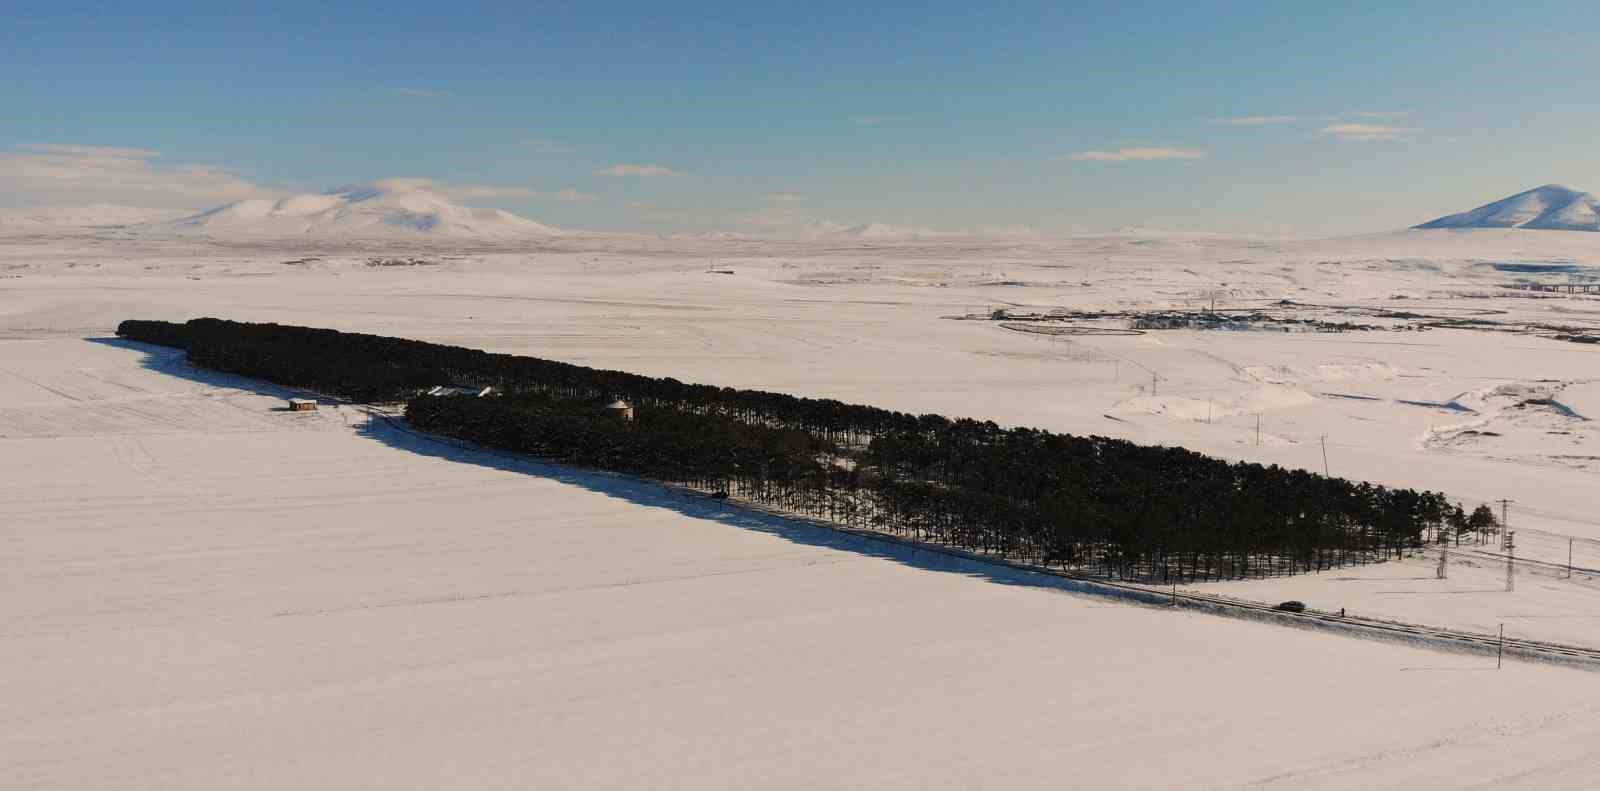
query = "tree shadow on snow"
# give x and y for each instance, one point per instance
(394, 433)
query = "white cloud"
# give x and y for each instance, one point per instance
(476, 192)
(64, 174)
(492, 192)
(67, 150)
(1256, 120)
(785, 197)
(1367, 132)
(394, 185)
(422, 93)
(1146, 154)
(1385, 114)
(636, 170)
(544, 145)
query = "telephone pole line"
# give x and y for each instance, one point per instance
(1325, 472)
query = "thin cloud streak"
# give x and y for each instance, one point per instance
(1367, 132)
(478, 192)
(68, 150)
(1144, 154)
(1257, 120)
(648, 171)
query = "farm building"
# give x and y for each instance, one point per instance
(302, 405)
(621, 409)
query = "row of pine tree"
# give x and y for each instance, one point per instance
(1093, 504)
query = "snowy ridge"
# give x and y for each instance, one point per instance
(376, 211)
(1551, 207)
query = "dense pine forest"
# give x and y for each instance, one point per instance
(1092, 504)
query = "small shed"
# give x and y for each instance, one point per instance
(453, 390)
(621, 409)
(302, 405)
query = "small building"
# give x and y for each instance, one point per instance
(453, 390)
(302, 405)
(621, 409)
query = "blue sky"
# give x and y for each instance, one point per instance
(656, 116)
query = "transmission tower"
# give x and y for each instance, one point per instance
(1505, 517)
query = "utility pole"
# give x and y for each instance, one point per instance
(1325, 472)
(1258, 429)
(1511, 560)
(1569, 557)
(1500, 656)
(1154, 378)
(1443, 572)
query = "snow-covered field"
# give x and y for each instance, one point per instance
(203, 592)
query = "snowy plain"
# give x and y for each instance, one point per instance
(204, 592)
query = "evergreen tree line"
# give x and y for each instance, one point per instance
(1101, 505)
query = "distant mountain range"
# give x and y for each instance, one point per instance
(1551, 207)
(408, 209)
(366, 212)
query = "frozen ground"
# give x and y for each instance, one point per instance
(201, 592)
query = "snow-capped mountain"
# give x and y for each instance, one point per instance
(1551, 207)
(375, 211)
